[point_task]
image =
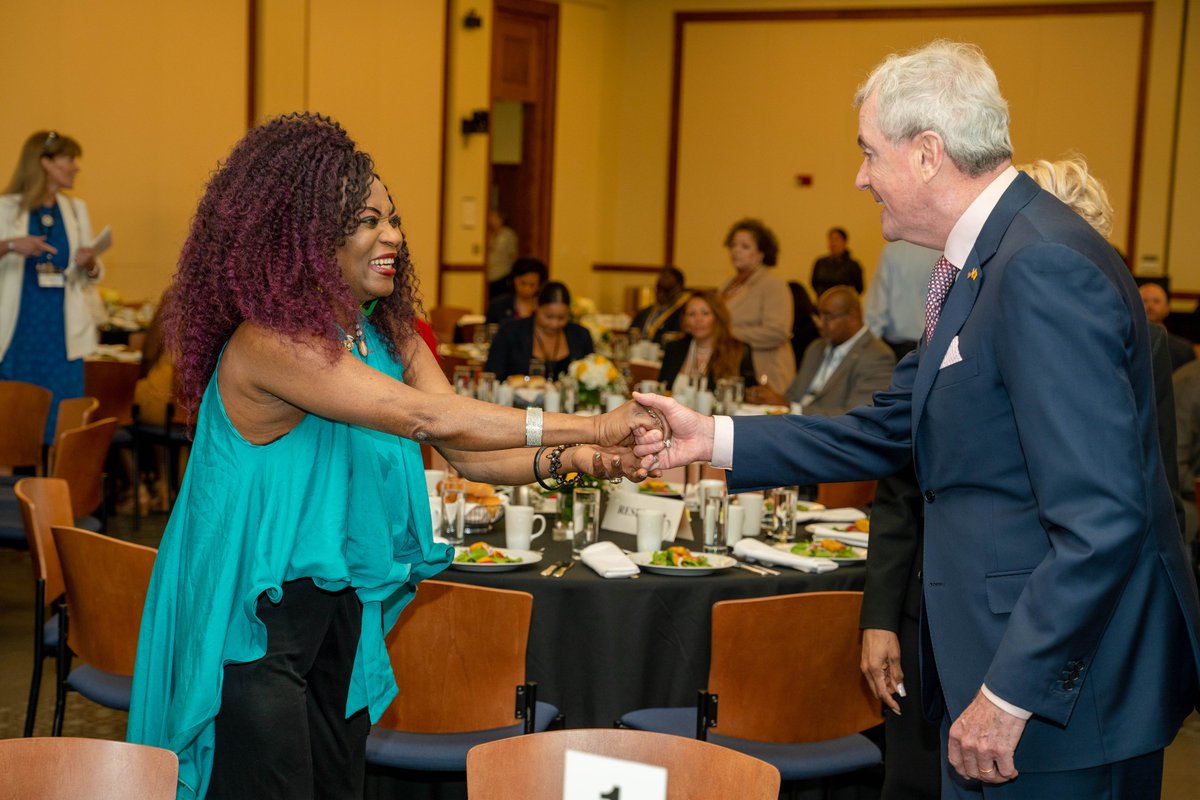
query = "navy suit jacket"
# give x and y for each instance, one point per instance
(1054, 569)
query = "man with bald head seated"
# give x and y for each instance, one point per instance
(844, 367)
(1158, 306)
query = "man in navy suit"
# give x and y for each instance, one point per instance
(1059, 620)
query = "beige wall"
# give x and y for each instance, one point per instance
(155, 116)
(1087, 110)
(154, 92)
(1183, 247)
(388, 97)
(745, 139)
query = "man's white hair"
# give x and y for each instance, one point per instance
(945, 87)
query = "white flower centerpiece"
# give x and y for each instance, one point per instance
(594, 375)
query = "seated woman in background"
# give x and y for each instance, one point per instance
(548, 335)
(528, 277)
(709, 349)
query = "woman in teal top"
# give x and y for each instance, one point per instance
(302, 527)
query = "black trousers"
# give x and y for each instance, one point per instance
(282, 730)
(912, 768)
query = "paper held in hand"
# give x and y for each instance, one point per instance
(103, 241)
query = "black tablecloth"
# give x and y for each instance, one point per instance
(599, 648)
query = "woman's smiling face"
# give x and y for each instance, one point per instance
(368, 256)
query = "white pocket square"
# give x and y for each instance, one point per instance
(952, 355)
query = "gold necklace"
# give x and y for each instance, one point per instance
(548, 355)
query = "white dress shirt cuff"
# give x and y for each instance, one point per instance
(722, 449)
(1004, 705)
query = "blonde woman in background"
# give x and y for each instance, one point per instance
(1070, 181)
(760, 304)
(46, 270)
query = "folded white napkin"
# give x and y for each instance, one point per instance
(764, 553)
(856, 538)
(830, 515)
(607, 560)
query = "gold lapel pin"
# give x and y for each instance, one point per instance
(973, 274)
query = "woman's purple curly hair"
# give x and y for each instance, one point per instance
(262, 248)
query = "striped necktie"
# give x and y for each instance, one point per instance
(940, 281)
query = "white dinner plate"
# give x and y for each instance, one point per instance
(843, 532)
(716, 563)
(802, 506)
(860, 553)
(527, 557)
(671, 490)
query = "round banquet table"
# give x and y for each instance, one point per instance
(599, 648)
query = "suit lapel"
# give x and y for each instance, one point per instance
(965, 290)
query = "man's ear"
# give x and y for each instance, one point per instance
(929, 153)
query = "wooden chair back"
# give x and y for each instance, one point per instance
(106, 581)
(531, 767)
(64, 768)
(45, 502)
(112, 383)
(450, 362)
(442, 320)
(73, 412)
(461, 652)
(79, 461)
(24, 409)
(851, 494)
(786, 668)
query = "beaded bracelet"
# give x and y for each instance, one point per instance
(556, 466)
(537, 473)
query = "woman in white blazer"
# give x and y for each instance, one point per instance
(47, 269)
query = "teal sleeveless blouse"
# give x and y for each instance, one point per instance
(343, 505)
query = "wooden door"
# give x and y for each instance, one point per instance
(524, 64)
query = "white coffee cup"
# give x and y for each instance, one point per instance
(518, 527)
(432, 478)
(651, 529)
(752, 502)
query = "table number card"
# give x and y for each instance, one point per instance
(592, 777)
(622, 508)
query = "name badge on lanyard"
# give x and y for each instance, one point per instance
(50, 277)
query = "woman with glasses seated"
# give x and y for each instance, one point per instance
(47, 267)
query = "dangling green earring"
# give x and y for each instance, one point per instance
(367, 308)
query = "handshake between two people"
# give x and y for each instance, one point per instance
(645, 436)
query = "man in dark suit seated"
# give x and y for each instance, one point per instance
(666, 315)
(840, 370)
(1158, 307)
(1060, 628)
